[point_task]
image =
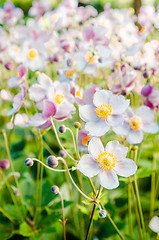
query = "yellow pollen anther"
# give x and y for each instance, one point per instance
(78, 94)
(85, 140)
(104, 110)
(16, 49)
(32, 53)
(135, 122)
(107, 160)
(90, 57)
(69, 73)
(142, 29)
(59, 98)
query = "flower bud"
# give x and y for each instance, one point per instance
(134, 148)
(9, 66)
(77, 125)
(54, 189)
(59, 72)
(28, 162)
(69, 62)
(4, 164)
(102, 213)
(100, 60)
(62, 153)
(146, 75)
(52, 161)
(62, 129)
(16, 192)
(146, 90)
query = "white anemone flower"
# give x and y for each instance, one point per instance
(106, 162)
(154, 224)
(105, 111)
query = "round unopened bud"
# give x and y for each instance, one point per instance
(59, 72)
(146, 75)
(28, 162)
(54, 189)
(77, 125)
(52, 161)
(9, 66)
(4, 164)
(62, 129)
(69, 62)
(62, 153)
(16, 192)
(100, 60)
(102, 213)
(134, 148)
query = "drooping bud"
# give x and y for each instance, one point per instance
(69, 62)
(9, 66)
(59, 72)
(62, 129)
(62, 153)
(77, 125)
(54, 189)
(102, 213)
(146, 90)
(52, 161)
(28, 162)
(4, 164)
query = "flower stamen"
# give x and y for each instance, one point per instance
(107, 160)
(104, 110)
(135, 122)
(59, 98)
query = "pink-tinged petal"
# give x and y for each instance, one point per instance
(122, 129)
(44, 80)
(95, 147)
(37, 93)
(14, 82)
(145, 113)
(150, 128)
(115, 120)
(125, 168)
(135, 136)
(22, 69)
(88, 166)
(97, 128)
(36, 120)
(102, 96)
(87, 113)
(46, 125)
(117, 149)
(119, 104)
(108, 179)
(49, 109)
(88, 33)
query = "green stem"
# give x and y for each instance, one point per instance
(63, 217)
(152, 198)
(116, 228)
(129, 206)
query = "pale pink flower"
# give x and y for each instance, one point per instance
(154, 224)
(106, 162)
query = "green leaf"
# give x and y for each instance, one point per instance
(6, 228)
(83, 209)
(25, 230)
(15, 213)
(144, 172)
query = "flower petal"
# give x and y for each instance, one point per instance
(117, 149)
(150, 128)
(95, 147)
(88, 166)
(122, 129)
(125, 168)
(49, 109)
(108, 179)
(119, 104)
(154, 224)
(115, 120)
(101, 96)
(36, 92)
(145, 113)
(97, 128)
(87, 113)
(135, 136)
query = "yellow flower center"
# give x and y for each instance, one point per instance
(135, 122)
(69, 72)
(142, 29)
(32, 53)
(59, 98)
(107, 160)
(90, 57)
(16, 49)
(104, 110)
(78, 94)
(85, 140)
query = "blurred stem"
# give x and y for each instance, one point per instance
(74, 142)
(59, 142)
(6, 215)
(137, 213)
(137, 195)
(116, 228)
(12, 167)
(78, 155)
(152, 198)
(63, 217)
(92, 185)
(129, 206)
(93, 211)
